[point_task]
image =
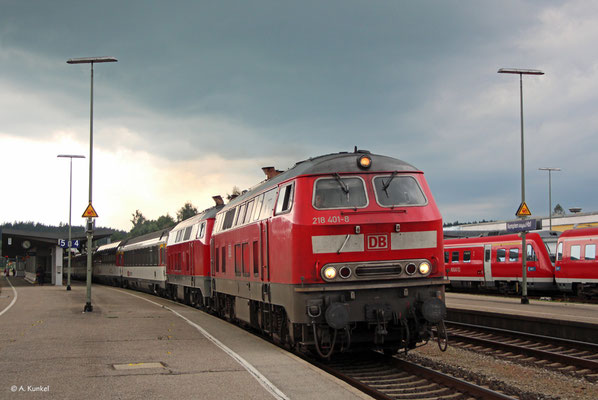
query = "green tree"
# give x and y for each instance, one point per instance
(165, 221)
(187, 211)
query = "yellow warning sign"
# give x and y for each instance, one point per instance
(522, 211)
(90, 212)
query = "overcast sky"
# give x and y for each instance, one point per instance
(205, 93)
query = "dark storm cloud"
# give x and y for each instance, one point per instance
(415, 80)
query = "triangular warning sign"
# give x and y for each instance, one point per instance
(522, 211)
(90, 212)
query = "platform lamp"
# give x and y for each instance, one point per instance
(71, 156)
(521, 72)
(549, 169)
(90, 60)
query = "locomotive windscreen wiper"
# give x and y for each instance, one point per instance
(387, 184)
(343, 184)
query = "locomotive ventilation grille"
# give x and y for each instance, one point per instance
(390, 270)
(343, 272)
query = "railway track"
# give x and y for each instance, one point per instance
(393, 378)
(575, 358)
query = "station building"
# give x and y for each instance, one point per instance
(560, 223)
(27, 251)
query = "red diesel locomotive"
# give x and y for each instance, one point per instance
(188, 264)
(340, 250)
(495, 262)
(576, 267)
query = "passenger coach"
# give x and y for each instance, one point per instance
(576, 268)
(495, 262)
(340, 250)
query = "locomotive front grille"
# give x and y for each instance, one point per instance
(379, 270)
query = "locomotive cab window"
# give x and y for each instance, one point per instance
(559, 252)
(285, 199)
(531, 254)
(201, 231)
(393, 190)
(339, 192)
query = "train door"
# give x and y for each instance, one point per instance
(265, 254)
(265, 260)
(488, 264)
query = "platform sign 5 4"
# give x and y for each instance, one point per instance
(65, 243)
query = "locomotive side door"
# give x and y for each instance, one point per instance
(488, 264)
(265, 260)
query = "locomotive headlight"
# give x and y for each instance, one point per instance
(364, 162)
(329, 273)
(424, 268)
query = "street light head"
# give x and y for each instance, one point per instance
(91, 60)
(549, 169)
(69, 156)
(520, 71)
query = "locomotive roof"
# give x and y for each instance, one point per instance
(341, 163)
(157, 235)
(205, 214)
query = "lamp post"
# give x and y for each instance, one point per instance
(71, 156)
(521, 72)
(89, 230)
(549, 169)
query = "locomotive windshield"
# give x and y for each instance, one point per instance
(339, 192)
(392, 190)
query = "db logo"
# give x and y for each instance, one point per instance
(377, 242)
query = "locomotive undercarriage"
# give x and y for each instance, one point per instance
(324, 321)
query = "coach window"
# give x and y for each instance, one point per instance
(513, 254)
(467, 256)
(285, 199)
(501, 255)
(446, 257)
(395, 190)
(590, 253)
(455, 257)
(575, 252)
(339, 192)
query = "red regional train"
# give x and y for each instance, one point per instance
(495, 262)
(340, 251)
(576, 266)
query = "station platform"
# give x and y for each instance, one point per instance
(575, 312)
(573, 321)
(137, 346)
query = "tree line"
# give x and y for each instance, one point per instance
(141, 225)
